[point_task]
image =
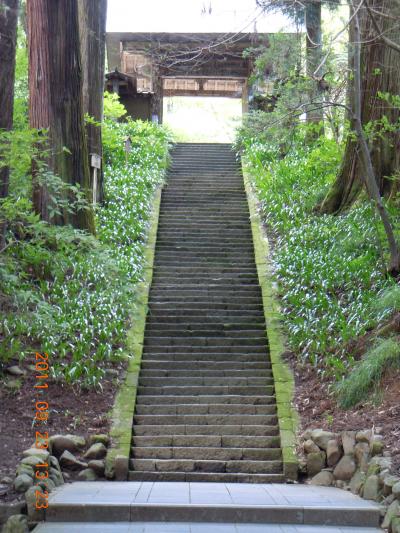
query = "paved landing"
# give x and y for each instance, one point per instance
(262, 504)
(176, 527)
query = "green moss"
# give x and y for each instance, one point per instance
(283, 377)
(125, 401)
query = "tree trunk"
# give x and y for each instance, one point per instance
(92, 29)
(314, 56)
(8, 40)
(380, 72)
(55, 90)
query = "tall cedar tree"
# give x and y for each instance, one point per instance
(92, 27)
(8, 39)
(55, 93)
(380, 73)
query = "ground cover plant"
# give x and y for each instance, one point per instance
(64, 291)
(331, 269)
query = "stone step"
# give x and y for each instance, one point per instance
(173, 305)
(244, 399)
(204, 278)
(214, 477)
(155, 328)
(206, 242)
(104, 506)
(184, 527)
(204, 238)
(212, 335)
(259, 339)
(169, 381)
(203, 367)
(203, 409)
(205, 355)
(201, 245)
(233, 197)
(204, 441)
(181, 260)
(172, 217)
(215, 289)
(192, 299)
(232, 429)
(207, 420)
(200, 374)
(197, 352)
(212, 319)
(193, 390)
(207, 453)
(187, 465)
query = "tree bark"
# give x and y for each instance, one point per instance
(55, 91)
(380, 72)
(314, 55)
(8, 40)
(92, 29)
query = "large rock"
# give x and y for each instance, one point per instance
(102, 438)
(16, 524)
(22, 483)
(333, 452)
(54, 463)
(361, 454)
(15, 371)
(371, 488)
(321, 438)
(395, 525)
(32, 461)
(365, 436)
(345, 468)
(97, 466)
(348, 442)
(357, 482)
(87, 475)
(35, 514)
(71, 443)
(96, 451)
(382, 463)
(310, 447)
(56, 476)
(396, 490)
(68, 460)
(389, 482)
(393, 510)
(36, 452)
(323, 479)
(315, 463)
(25, 469)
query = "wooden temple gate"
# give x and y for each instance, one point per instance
(148, 66)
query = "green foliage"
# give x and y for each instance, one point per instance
(63, 291)
(21, 82)
(388, 300)
(328, 267)
(367, 374)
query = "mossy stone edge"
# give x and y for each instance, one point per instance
(117, 459)
(283, 376)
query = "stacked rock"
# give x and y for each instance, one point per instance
(354, 461)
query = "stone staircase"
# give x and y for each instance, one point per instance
(205, 405)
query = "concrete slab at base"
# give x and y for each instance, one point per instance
(190, 527)
(205, 502)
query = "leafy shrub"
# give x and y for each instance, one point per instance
(384, 356)
(62, 290)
